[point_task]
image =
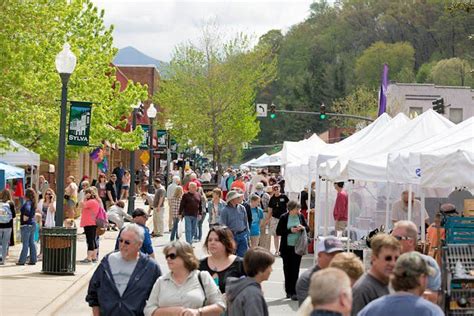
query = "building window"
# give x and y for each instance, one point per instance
(455, 115)
(415, 111)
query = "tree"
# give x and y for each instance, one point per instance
(362, 101)
(452, 72)
(399, 57)
(211, 92)
(33, 32)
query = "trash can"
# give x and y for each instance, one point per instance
(58, 245)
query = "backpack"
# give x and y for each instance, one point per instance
(261, 199)
(5, 213)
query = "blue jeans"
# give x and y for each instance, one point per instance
(198, 234)
(174, 230)
(28, 240)
(190, 224)
(5, 240)
(242, 243)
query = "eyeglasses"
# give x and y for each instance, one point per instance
(48, 194)
(402, 238)
(126, 242)
(171, 256)
(391, 258)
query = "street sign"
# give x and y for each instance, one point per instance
(261, 109)
(145, 157)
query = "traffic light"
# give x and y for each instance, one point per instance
(141, 110)
(438, 105)
(322, 112)
(272, 112)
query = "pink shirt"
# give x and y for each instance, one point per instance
(90, 209)
(340, 208)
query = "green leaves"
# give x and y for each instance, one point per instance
(33, 32)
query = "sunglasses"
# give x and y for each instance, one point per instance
(126, 242)
(171, 256)
(391, 258)
(402, 238)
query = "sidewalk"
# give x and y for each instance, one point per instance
(24, 290)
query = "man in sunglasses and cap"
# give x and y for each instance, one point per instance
(409, 280)
(124, 279)
(374, 283)
(140, 217)
(234, 216)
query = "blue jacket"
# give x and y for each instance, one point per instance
(102, 291)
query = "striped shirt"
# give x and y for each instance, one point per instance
(174, 205)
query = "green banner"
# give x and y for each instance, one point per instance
(79, 123)
(162, 138)
(145, 140)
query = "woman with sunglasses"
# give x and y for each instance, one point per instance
(47, 208)
(90, 208)
(184, 290)
(221, 262)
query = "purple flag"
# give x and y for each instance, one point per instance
(383, 91)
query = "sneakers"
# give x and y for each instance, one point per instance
(294, 297)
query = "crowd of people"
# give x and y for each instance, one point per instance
(243, 213)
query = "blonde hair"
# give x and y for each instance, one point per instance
(178, 192)
(349, 263)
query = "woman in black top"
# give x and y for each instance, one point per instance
(221, 263)
(6, 229)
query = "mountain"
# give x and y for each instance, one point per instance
(131, 56)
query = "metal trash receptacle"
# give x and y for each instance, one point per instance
(59, 250)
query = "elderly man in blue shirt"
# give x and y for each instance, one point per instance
(234, 216)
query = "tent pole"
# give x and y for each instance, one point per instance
(351, 184)
(317, 199)
(326, 209)
(422, 215)
(410, 194)
(387, 206)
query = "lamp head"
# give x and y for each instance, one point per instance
(65, 60)
(151, 111)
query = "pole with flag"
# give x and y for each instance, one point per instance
(383, 91)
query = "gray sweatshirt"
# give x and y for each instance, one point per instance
(245, 298)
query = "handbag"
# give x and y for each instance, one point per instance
(301, 247)
(181, 228)
(101, 219)
(66, 197)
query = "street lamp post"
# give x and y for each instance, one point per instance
(151, 113)
(168, 126)
(65, 64)
(131, 195)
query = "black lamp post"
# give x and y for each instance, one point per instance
(65, 64)
(151, 113)
(168, 126)
(131, 193)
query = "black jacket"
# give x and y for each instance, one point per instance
(283, 231)
(103, 293)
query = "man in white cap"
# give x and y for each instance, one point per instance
(235, 217)
(327, 248)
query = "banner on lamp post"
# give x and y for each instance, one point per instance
(79, 123)
(162, 138)
(146, 135)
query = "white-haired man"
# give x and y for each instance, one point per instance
(124, 279)
(169, 194)
(330, 293)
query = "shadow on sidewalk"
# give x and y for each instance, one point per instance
(284, 302)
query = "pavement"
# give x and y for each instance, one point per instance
(65, 295)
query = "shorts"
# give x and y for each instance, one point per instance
(125, 186)
(273, 225)
(340, 225)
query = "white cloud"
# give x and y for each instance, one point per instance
(156, 27)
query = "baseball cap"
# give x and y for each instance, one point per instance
(412, 264)
(329, 244)
(259, 186)
(139, 212)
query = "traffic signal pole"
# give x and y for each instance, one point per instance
(328, 114)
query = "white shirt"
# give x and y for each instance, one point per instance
(400, 212)
(167, 293)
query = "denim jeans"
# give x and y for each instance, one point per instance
(198, 234)
(5, 241)
(28, 240)
(190, 224)
(174, 230)
(242, 243)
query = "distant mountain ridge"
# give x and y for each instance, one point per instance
(131, 56)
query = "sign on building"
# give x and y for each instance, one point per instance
(79, 123)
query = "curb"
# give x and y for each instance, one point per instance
(59, 301)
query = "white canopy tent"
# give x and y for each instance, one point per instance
(21, 156)
(12, 172)
(272, 160)
(405, 166)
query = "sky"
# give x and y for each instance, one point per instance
(155, 27)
